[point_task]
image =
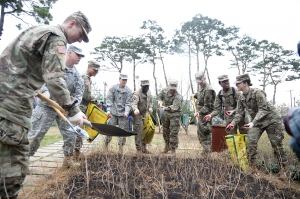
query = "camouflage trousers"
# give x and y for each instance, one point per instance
(41, 120)
(122, 123)
(171, 126)
(204, 133)
(275, 133)
(237, 127)
(78, 143)
(138, 126)
(14, 148)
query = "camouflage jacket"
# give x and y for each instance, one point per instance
(35, 57)
(74, 84)
(118, 100)
(141, 101)
(173, 103)
(205, 99)
(255, 102)
(229, 102)
(87, 94)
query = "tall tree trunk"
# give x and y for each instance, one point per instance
(197, 53)
(264, 79)
(190, 71)
(274, 94)
(134, 87)
(162, 61)
(244, 67)
(1, 19)
(155, 81)
(236, 61)
(121, 67)
(206, 69)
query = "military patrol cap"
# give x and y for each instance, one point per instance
(199, 76)
(95, 65)
(75, 50)
(223, 78)
(123, 76)
(145, 82)
(173, 84)
(84, 22)
(241, 78)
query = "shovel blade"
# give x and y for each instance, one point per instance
(79, 131)
(106, 129)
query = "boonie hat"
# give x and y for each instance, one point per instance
(123, 76)
(199, 76)
(84, 22)
(173, 84)
(95, 65)
(145, 82)
(76, 50)
(223, 78)
(241, 78)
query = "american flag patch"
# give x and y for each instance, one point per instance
(61, 49)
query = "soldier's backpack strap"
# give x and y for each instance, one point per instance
(233, 94)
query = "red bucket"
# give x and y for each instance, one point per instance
(218, 142)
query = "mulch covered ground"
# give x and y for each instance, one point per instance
(114, 176)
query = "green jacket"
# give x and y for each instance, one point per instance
(172, 103)
(35, 57)
(87, 94)
(205, 100)
(261, 111)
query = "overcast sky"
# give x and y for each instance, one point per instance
(275, 21)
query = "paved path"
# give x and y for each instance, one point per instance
(45, 161)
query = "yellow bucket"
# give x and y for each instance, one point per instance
(95, 115)
(237, 147)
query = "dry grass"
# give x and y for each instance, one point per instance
(191, 174)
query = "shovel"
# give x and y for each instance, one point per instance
(77, 130)
(103, 129)
(110, 130)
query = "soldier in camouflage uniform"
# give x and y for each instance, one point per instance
(92, 71)
(225, 104)
(118, 107)
(172, 110)
(265, 118)
(141, 104)
(44, 115)
(205, 104)
(35, 57)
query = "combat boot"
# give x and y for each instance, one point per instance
(120, 149)
(68, 162)
(173, 152)
(252, 169)
(106, 146)
(283, 176)
(77, 155)
(144, 149)
(167, 148)
(138, 152)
